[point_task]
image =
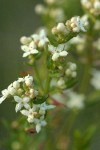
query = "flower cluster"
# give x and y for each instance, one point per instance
(69, 73)
(93, 6)
(73, 26)
(24, 95)
(36, 114)
(57, 52)
(71, 70)
(23, 87)
(34, 43)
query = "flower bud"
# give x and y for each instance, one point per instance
(25, 40)
(16, 84)
(61, 27)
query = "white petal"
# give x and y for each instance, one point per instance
(2, 99)
(30, 118)
(24, 48)
(34, 51)
(43, 123)
(38, 128)
(51, 48)
(18, 107)
(42, 33)
(55, 56)
(63, 53)
(20, 80)
(27, 106)
(24, 112)
(26, 54)
(17, 99)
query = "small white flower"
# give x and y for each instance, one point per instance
(61, 83)
(22, 102)
(27, 79)
(39, 123)
(57, 51)
(30, 113)
(11, 89)
(29, 50)
(44, 106)
(40, 39)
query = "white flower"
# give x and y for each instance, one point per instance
(11, 89)
(79, 24)
(27, 79)
(44, 106)
(40, 39)
(57, 51)
(22, 102)
(29, 50)
(30, 113)
(5, 94)
(39, 123)
(95, 81)
(33, 93)
(75, 100)
(61, 83)
(76, 24)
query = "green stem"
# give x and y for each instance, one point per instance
(87, 69)
(38, 78)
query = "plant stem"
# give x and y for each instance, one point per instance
(38, 79)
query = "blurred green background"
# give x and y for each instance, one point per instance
(17, 18)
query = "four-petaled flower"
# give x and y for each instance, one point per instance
(57, 51)
(21, 102)
(29, 49)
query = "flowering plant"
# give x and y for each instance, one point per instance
(64, 73)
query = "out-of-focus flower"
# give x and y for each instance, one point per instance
(71, 70)
(93, 6)
(96, 44)
(95, 80)
(75, 100)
